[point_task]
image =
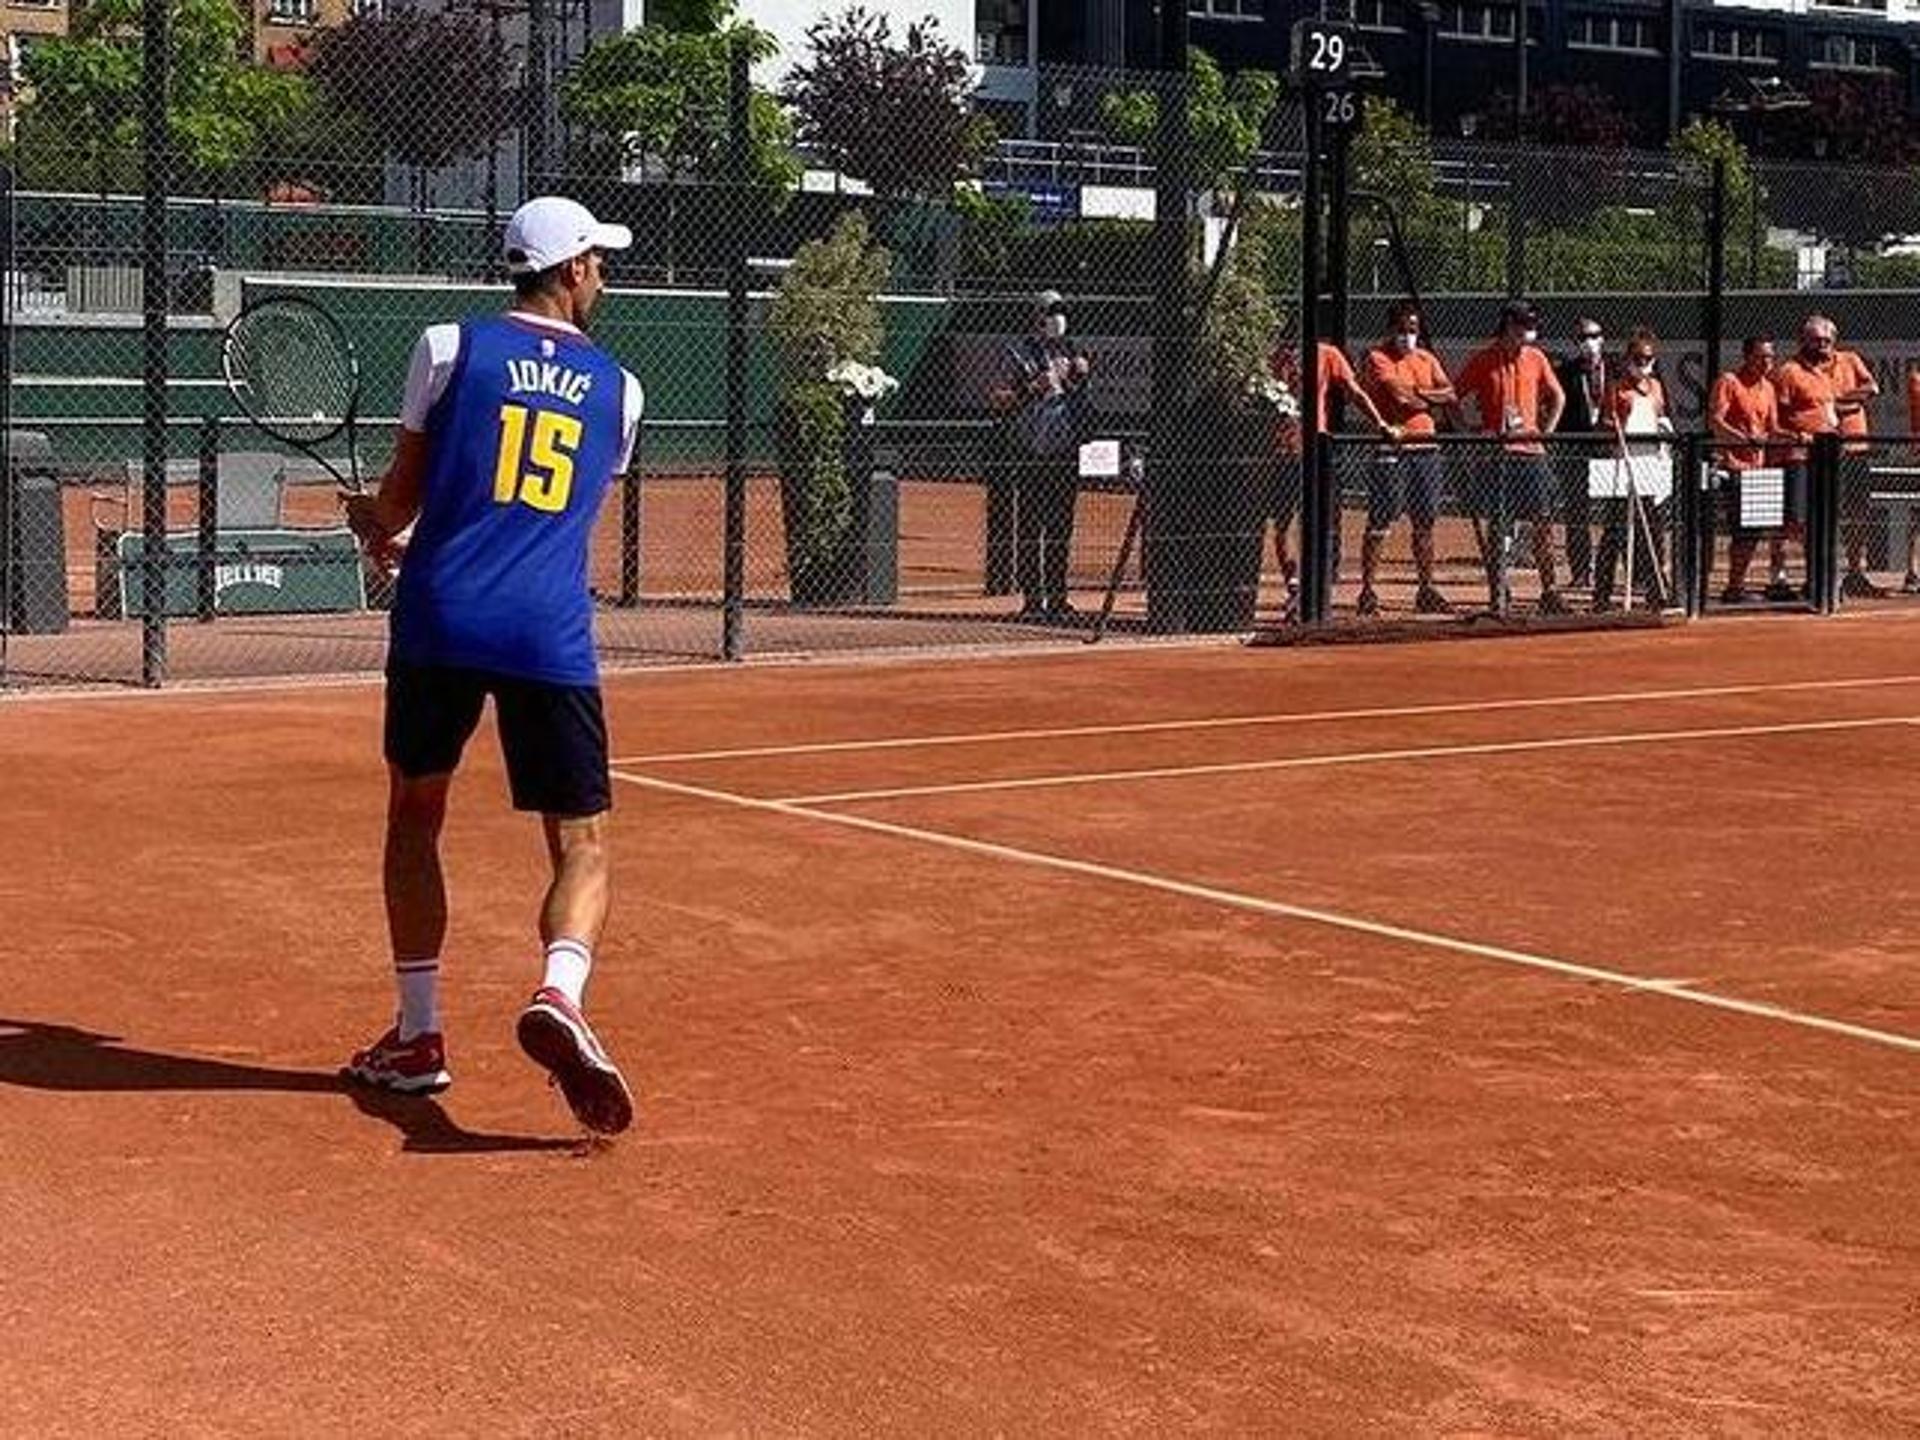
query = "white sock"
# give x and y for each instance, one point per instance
(419, 984)
(568, 964)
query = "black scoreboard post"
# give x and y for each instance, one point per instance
(1322, 71)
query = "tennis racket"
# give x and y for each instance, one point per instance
(293, 372)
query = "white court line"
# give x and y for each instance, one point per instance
(1298, 717)
(1350, 757)
(1672, 989)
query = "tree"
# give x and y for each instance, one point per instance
(659, 94)
(432, 85)
(1574, 117)
(1225, 117)
(85, 94)
(1861, 192)
(896, 115)
(1859, 119)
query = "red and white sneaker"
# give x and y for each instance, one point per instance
(407, 1067)
(557, 1038)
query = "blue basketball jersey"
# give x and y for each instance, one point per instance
(521, 446)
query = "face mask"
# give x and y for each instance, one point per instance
(1591, 346)
(1641, 368)
(1406, 340)
(1056, 326)
(1527, 337)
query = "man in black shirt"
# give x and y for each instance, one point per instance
(1584, 375)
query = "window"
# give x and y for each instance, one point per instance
(369, 9)
(1491, 24)
(1851, 52)
(35, 4)
(1227, 9)
(1874, 7)
(1000, 32)
(1734, 42)
(290, 12)
(1612, 32)
(1385, 16)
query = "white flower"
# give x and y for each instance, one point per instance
(869, 382)
(1271, 390)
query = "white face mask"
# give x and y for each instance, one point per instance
(1406, 340)
(1640, 369)
(1591, 346)
(1527, 337)
(1056, 327)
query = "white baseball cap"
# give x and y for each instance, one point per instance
(552, 230)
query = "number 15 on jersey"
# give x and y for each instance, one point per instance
(535, 463)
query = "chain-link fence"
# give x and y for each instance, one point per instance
(910, 387)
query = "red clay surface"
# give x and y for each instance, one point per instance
(939, 1141)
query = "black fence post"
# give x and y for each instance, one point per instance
(1823, 524)
(630, 531)
(1169, 551)
(1314, 551)
(1713, 322)
(207, 548)
(9, 482)
(1516, 220)
(155, 21)
(1693, 554)
(739, 171)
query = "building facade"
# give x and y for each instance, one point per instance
(1444, 61)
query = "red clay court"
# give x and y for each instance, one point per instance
(1504, 1037)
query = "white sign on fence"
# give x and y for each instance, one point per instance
(1763, 499)
(1651, 476)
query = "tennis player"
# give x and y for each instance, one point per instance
(512, 427)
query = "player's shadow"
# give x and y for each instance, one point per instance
(40, 1056)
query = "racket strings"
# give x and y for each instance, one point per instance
(293, 372)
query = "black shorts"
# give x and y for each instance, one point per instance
(1521, 486)
(1405, 482)
(554, 737)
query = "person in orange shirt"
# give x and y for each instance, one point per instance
(1829, 389)
(1334, 370)
(1519, 398)
(1407, 385)
(1854, 390)
(1744, 413)
(1635, 406)
(1809, 406)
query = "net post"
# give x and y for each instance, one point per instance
(156, 20)
(208, 541)
(739, 172)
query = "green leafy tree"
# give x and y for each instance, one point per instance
(381, 70)
(1225, 117)
(896, 114)
(1239, 325)
(82, 116)
(659, 95)
(826, 312)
